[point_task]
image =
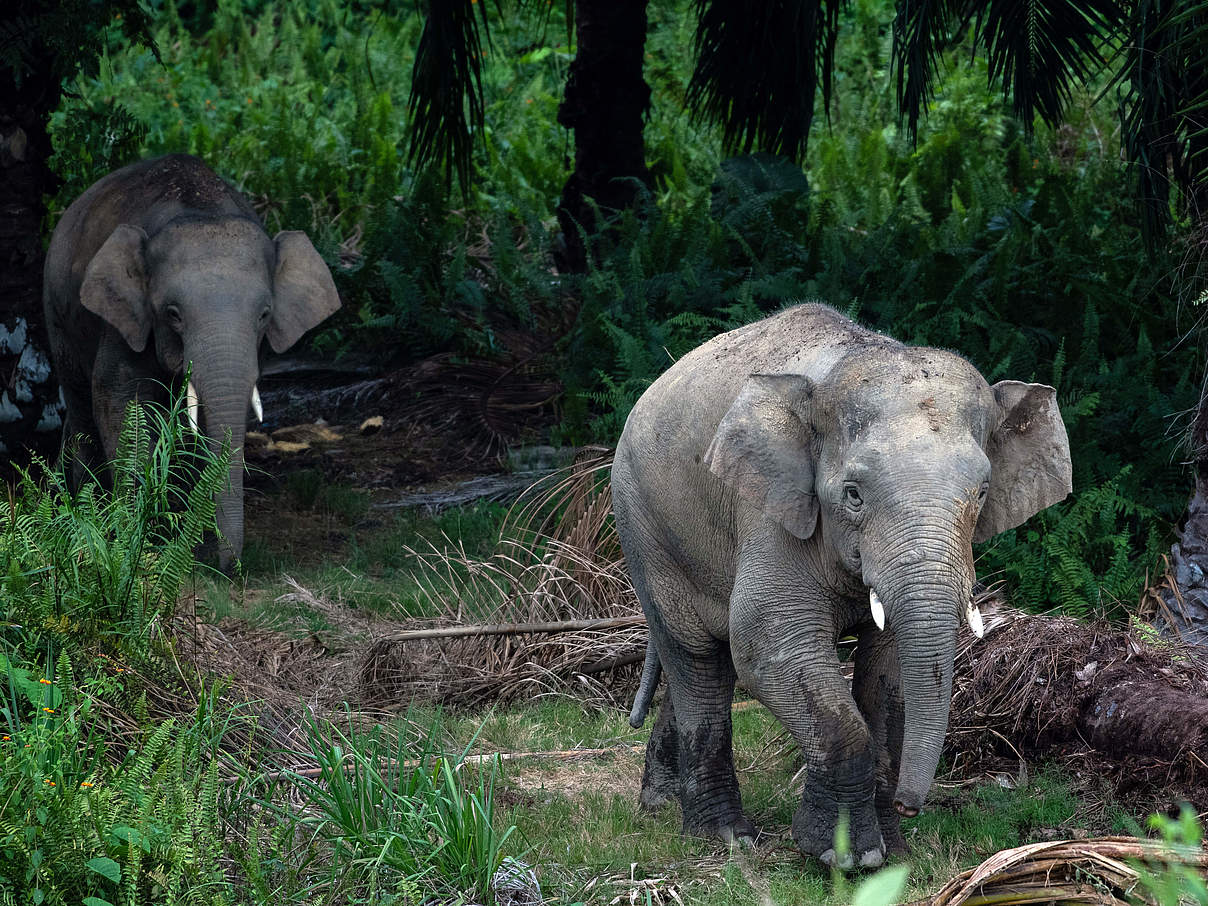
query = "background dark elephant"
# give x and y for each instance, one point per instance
(793, 481)
(162, 265)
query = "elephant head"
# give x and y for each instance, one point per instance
(206, 291)
(894, 460)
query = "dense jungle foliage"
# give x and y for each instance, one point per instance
(127, 778)
(1024, 254)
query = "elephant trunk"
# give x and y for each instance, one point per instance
(925, 593)
(224, 386)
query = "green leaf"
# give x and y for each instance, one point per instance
(883, 888)
(23, 679)
(106, 867)
(132, 835)
(96, 901)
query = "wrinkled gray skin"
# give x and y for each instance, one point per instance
(762, 487)
(158, 265)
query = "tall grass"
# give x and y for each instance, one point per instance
(391, 815)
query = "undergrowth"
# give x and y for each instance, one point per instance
(1020, 252)
(128, 777)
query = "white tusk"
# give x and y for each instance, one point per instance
(974, 617)
(878, 609)
(256, 407)
(192, 403)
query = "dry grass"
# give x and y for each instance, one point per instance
(558, 560)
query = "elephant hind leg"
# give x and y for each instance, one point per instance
(660, 778)
(702, 690)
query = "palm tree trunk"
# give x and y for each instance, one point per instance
(29, 401)
(605, 104)
(1183, 594)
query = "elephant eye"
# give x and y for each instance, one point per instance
(851, 496)
(172, 313)
(982, 492)
(264, 312)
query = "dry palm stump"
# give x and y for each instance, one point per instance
(1133, 709)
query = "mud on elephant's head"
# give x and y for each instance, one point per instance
(901, 457)
(206, 291)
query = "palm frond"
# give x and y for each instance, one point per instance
(446, 104)
(758, 71)
(1164, 113)
(920, 30)
(1039, 49)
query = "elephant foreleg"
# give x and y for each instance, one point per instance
(782, 634)
(878, 692)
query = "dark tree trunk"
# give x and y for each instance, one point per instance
(605, 104)
(29, 400)
(1179, 604)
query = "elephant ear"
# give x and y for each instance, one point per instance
(303, 291)
(1029, 456)
(762, 450)
(115, 285)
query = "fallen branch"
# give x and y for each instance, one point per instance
(347, 763)
(551, 628)
(486, 487)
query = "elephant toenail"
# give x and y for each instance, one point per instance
(874, 858)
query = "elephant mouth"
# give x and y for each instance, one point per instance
(193, 406)
(973, 616)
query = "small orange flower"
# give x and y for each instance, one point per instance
(45, 682)
(249, 100)
(86, 784)
(5, 738)
(49, 710)
(49, 782)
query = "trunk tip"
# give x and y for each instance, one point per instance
(906, 810)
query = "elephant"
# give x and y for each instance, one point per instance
(162, 268)
(799, 480)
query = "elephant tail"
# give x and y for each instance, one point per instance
(651, 673)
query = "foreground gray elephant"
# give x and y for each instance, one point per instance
(159, 265)
(794, 481)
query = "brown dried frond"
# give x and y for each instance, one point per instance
(1094, 872)
(1054, 685)
(558, 560)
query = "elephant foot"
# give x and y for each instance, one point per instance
(814, 833)
(873, 858)
(656, 795)
(734, 831)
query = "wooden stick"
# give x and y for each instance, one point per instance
(445, 632)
